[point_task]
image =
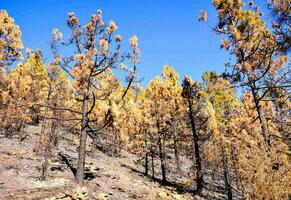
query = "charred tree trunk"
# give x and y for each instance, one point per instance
(44, 174)
(115, 143)
(177, 149)
(146, 164)
(44, 142)
(235, 161)
(55, 129)
(82, 144)
(153, 163)
(162, 160)
(227, 180)
(264, 125)
(261, 116)
(46, 154)
(21, 136)
(195, 138)
(177, 156)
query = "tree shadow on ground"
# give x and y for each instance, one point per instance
(177, 187)
(88, 175)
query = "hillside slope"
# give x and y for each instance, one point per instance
(107, 177)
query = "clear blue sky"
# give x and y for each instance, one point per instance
(168, 30)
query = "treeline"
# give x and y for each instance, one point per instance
(244, 139)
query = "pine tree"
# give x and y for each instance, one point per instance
(258, 57)
(96, 53)
(10, 40)
(25, 90)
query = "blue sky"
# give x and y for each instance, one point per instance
(168, 30)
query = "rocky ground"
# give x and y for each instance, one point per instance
(107, 177)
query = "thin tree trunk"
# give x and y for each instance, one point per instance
(153, 164)
(21, 137)
(45, 140)
(82, 144)
(264, 125)
(161, 153)
(177, 150)
(234, 158)
(146, 159)
(55, 129)
(261, 116)
(161, 150)
(227, 180)
(164, 153)
(44, 174)
(47, 154)
(146, 163)
(116, 142)
(199, 173)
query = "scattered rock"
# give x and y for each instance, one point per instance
(102, 196)
(163, 195)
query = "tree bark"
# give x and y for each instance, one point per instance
(261, 116)
(227, 180)
(264, 125)
(55, 129)
(177, 149)
(146, 159)
(162, 160)
(146, 163)
(82, 144)
(199, 173)
(153, 164)
(21, 137)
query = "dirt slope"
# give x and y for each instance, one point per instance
(106, 177)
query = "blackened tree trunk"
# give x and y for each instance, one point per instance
(146, 164)
(264, 125)
(44, 144)
(55, 128)
(153, 162)
(234, 160)
(227, 180)
(44, 173)
(46, 152)
(177, 149)
(21, 136)
(162, 160)
(261, 115)
(195, 137)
